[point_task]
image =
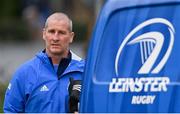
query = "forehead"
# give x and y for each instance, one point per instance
(63, 24)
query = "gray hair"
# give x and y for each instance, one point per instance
(59, 16)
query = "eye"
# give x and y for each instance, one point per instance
(62, 32)
(52, 31)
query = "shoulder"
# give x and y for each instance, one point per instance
(77, 62)
(28, 64)
(26, 68)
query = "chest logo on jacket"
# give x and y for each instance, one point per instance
(44, 88)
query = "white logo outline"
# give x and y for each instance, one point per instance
(44, 88)
(155, 36)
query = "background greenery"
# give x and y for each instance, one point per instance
(13, 28)
(2, 92)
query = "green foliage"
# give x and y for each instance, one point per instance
(13, 30)
(9, 8)
(80, 30)
(2, 92)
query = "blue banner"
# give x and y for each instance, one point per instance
(133, 60)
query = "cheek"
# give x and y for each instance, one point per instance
(63, 40)
(47, 42)
(47, 39)
(66, 42)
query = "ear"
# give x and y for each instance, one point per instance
(72, 37)
(44, 34)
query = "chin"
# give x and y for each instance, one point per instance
(56, 52)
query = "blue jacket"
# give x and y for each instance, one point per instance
(35, 86)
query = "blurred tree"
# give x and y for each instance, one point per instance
(9, 9)
(11, 26)
(2, 92)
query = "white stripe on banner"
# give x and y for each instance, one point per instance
(142, 54)
(145, 50)
(149, 48)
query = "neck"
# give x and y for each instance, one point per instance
(56, 58)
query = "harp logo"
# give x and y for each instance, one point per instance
(150, 46)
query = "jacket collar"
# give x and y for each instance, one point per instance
(75, 63)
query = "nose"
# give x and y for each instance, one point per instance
(55, 37)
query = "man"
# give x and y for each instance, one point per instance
(41, 84)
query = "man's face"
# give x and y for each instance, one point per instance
(57, 37)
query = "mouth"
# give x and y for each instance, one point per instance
(55, 45)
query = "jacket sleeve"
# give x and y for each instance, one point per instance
(15, 94)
